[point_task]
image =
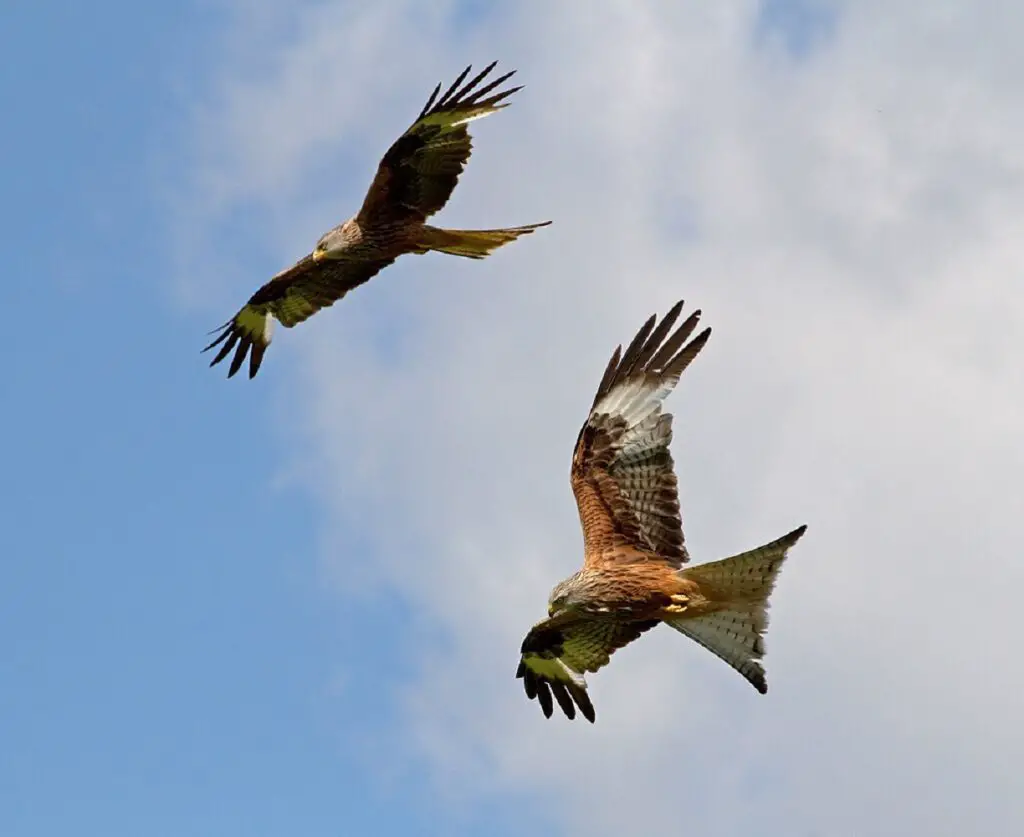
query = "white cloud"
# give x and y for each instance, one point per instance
(849, 223)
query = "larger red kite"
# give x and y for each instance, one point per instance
(633, 576)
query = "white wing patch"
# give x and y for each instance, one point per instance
(448, 120)
(638, 403)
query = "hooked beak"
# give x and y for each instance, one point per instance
(318, 256)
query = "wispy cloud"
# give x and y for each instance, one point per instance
(850, 227)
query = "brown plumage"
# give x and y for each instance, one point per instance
(634, 551)
(414, 180)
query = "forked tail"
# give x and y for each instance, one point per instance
(473, 244)
(737, 590)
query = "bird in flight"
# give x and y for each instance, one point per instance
(414, 180)
(633, 576)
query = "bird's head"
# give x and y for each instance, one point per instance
(564, 596)
(330, 245)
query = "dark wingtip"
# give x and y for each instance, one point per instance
(463, 95)
(790, 538)
(240, 353)
(547, 706)
(564, 699)
(232, 338)
(256, 358)
(430, 101)
(582, 699)
(440, 103)
(702, 338)
(221, 331)
(568, 695)
(497, 101)
(243, 346)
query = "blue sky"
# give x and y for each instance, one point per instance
(169, 641)
(288, 606)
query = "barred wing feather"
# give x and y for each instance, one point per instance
(623, 474)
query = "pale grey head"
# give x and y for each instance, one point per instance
(566, 595)
(334, 242)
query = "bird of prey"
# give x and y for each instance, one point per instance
(414, 180)
(633, 576)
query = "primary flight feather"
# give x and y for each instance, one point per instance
(414, 180)
(633, 576)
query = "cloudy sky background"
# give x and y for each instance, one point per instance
(293, 605)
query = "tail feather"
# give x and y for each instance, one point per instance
(472, 244)
(737, 590)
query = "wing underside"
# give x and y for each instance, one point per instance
(418, 173)
(623, 474)
(554, 661)
(291, 297)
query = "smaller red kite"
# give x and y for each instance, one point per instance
(414, 180)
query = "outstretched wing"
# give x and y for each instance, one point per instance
(290, 297)
(554, 659)
(418, 173)
(622, 470)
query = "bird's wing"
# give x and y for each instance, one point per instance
(418, 173)
(290, 297)
(555, 658)
(622, 471)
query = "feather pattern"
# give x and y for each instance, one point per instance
(290, 297)
(633, 576)
(417, 175)
(554, 660)
(622, 472)
(734, 632)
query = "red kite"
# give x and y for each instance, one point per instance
(414, 180)
(633, 576)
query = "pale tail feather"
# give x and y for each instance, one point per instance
(740, 585)
(472, 244)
